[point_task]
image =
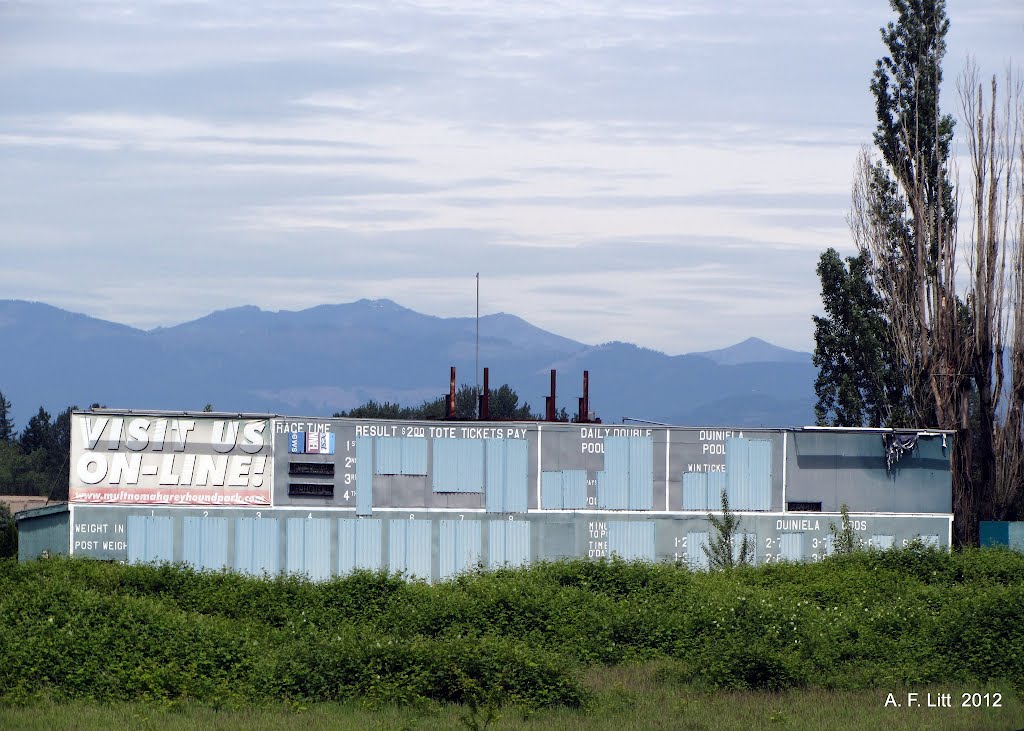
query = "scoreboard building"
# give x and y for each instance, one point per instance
(264, 494)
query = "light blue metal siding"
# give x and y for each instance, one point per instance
(1015, 535)
(759, 455)
(508, 473)
(695, 491)
(631, 539)
(551, 490)
(256, 546)
(695, 543)
(150, 539)
(458, 465)
(508, 543)
(205, 543)
(388, 455)
(459, 546)
(883, 542)
(359, 545)
(641, 473)
(414, 456)
(574, 489)
(717, 482)
(791, 546)
(364, 475)
(613, 481)
(748, 469)
(309, 547)
(409, 548)
(400, 456)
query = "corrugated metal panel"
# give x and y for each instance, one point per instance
(574, 489)
(459, 546)
(359, 545)
(695, 543)
(737, 478)
(1015, 535)
(613, 481)
(551, 490)
(717, 481)
(791, 546)
(695, 491)
(309, 547)
(388, 455)
(737, 547)
(44, 531)
(458, 465)
(508, 473)
(631, 539)
(508, 543)
(414, 456)
(256, 546)
(882, 541)
(409, 549)
(760, 469)
(748, 469)
(205, 543)
(364, 475)
(150, 539)
(641, 473)
(400, 456)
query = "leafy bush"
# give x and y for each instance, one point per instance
(86, 629)
(8, 533)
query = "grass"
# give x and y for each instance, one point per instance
(574, 645)
(625, 698)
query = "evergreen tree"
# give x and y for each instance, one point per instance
(6, 424)
(8, 533)
(38, 433)
(859, 381)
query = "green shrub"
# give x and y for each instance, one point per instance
(87, 629)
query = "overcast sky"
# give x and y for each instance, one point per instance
(664, 173)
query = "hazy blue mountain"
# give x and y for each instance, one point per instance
(331, 357)
(754, 350)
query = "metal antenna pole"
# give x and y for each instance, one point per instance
(476, 372)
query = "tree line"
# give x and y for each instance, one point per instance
(503, 405)
(35, 461)
(905, 341)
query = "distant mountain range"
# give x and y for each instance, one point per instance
(331, 357)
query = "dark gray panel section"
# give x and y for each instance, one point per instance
(837, 468)
(364, 476)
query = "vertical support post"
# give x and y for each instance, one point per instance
(550, 401)
(476, 368)
(485, 398)
(585, 416)
(451, 396)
